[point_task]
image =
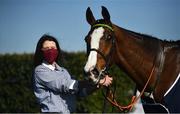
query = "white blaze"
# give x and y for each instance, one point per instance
(92, 59)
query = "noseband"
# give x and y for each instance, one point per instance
(107, 58)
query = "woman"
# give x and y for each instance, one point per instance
(54, 88)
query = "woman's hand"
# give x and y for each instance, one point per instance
(106, 81)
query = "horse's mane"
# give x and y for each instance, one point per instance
(140, 34)
(150, 39)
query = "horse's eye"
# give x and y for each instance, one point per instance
(108, 36)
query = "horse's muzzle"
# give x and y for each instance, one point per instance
(93, 75)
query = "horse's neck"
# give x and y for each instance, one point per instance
(134, 55)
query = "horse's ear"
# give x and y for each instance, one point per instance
(105, 14)
(89, 16)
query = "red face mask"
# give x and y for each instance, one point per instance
(50, 55)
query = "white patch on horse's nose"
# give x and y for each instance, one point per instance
(92, 58)
(91, 62)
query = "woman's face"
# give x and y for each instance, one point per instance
(49, 45)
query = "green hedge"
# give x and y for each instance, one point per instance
(16, 93)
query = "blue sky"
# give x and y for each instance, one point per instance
(23, 22)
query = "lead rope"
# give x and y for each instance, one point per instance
(134, 99)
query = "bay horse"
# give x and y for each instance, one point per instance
(141, 56)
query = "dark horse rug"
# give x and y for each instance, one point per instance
(172, 97)
(171, 101)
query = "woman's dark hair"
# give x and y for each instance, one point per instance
(38, 56)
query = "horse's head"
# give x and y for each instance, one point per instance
(100, 41)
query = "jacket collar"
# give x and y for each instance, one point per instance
(56, 67)
(48, 66)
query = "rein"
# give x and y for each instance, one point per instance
(134, 99)
(160, 59)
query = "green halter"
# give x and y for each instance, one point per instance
(103, 25)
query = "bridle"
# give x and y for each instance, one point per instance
(106, 58)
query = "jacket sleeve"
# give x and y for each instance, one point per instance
(56, 81)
